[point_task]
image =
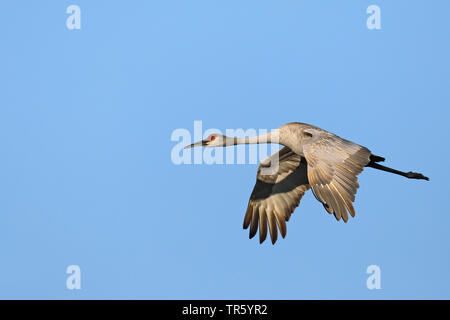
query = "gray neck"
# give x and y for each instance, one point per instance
(271, 137)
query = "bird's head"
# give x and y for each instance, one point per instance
(213, 140)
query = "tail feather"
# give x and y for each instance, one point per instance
(375, 158)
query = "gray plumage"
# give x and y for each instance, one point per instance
(311, 158)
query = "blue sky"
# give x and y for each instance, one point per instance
(86, 176)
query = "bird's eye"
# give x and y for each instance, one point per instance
(212, 137)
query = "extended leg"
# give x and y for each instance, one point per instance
(409, 175)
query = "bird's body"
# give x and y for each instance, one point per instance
(312, 158)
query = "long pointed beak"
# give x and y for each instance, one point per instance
(197, 144)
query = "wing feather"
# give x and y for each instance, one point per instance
(276, 196)
(262, 225)
(333, 166)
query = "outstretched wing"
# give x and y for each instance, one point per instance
(333, 166)
(276, 195)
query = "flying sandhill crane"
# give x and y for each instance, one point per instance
(311, 158)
